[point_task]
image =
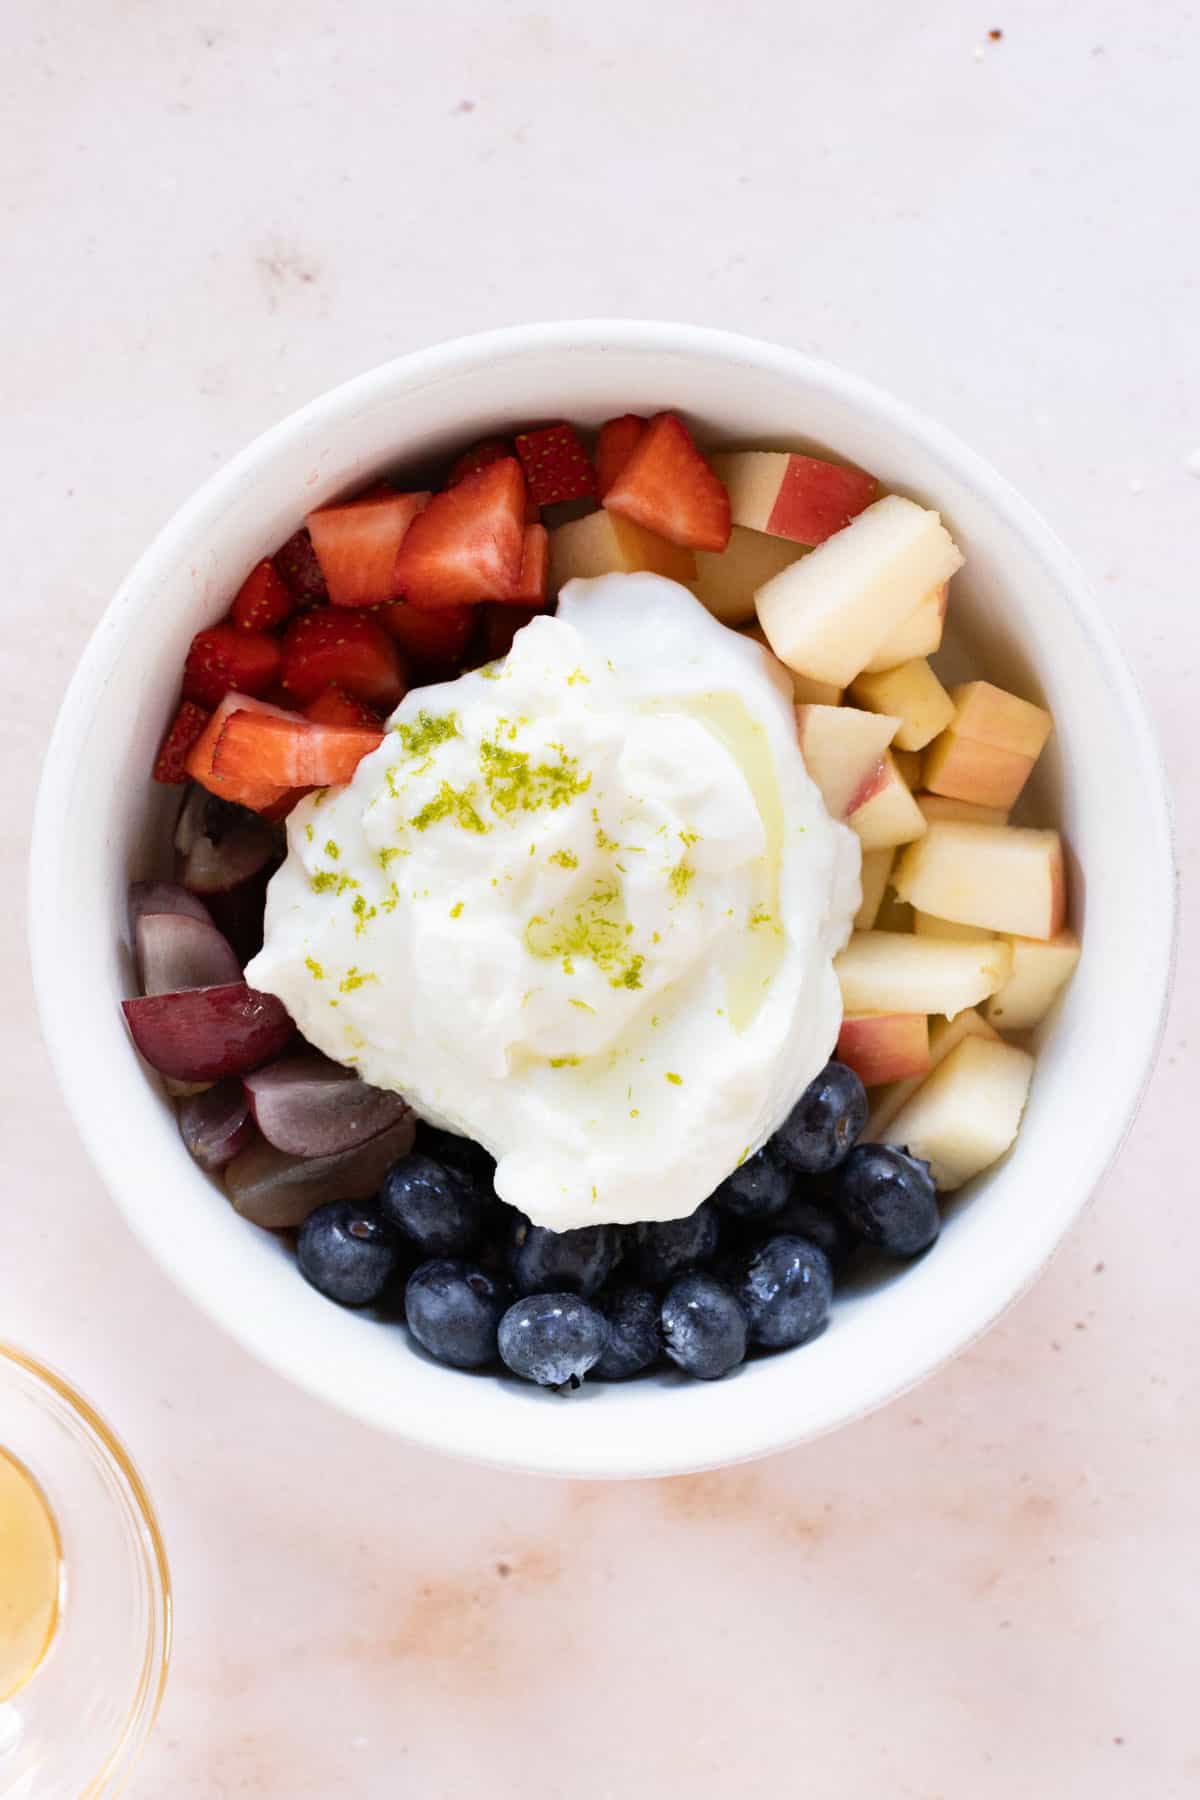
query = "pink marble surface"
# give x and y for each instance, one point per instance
(211, 212)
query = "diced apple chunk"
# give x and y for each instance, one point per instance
(920, 634)
(962, 812)
(886, 971)
(1040, 972)
(927, 925)
(944, 1036)
(843, 751)
(804, 498)
(967, 1112)
(988, 751)
(604, 543)
(727, 580)
(914, 694)
(806, 692)
(829, 613)
(882, 1047)
(909, 764)
(876, 872)
(888, 815)
(1003, 878)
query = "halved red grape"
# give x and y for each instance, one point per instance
(221, 845)
(176, 951)
(216, 1125)
(275, 1190)
(164, 897)
(204, 1033)
(310, 1106)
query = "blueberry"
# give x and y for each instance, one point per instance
(825, 1121)
(758, 1188)
(704, 1327)
(813, 1217)
(439, 1207)
(666, 1248)
(889, 1200)
(346, 1252)
(456, 1152)
(786, 1291)
(544, 1261)
(454, 1311)
(634, 1335)
(553, 1339)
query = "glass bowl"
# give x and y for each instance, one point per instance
(76, 1723)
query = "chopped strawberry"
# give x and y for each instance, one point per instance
(467, 543)
(335, 645)
(480, 456)
(296, 561)
(263, 601)
(616, 444)
(433, 642)
(556, 465)
(336, 707)
(356, 545)
(262, 796)
(224, 660)
(667, 487)
(501, 624)
(185, 730)
(259, 748)
(530, 589)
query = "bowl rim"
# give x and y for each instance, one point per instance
(425, 366)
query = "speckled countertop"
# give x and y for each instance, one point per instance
(212, 212)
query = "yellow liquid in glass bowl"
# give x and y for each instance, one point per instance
(30, 1571)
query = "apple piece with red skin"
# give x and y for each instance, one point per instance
(843, 750)
(886, 971)
(1003, 878)
(944, 1036)
(886, 814)
(201, 1034)
(830, 612)
(802, 498)
(883, 1047)
(989, 747)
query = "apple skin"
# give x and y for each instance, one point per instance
(883, 1047)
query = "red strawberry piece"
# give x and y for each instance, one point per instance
(255, 749)
(556, 465)
(261, 797)
(501, 624)
(666, 486)
(432, 642)
(333, 645)
(480, 456)
(467, 543)
(263, 601)
(530, 589)
(224, 660)
(356, 546)
(185, 729)
(336, 707)
(616, 444)
(296, 562)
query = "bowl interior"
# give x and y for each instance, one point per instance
(1019, 616)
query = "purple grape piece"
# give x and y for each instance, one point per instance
(217, 1125)
(275, 1190)
(203, 1033)
(310, 1106)
(176, 951)
(164, 897)
(220, 846)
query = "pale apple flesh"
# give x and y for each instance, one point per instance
(885, 971)
(1040, 972)
(727, 580)
(966, 1114)
(919, 635)
(843, 751)
(941, 806)
(604, 544)
(1003, 878)
(987, 752)
(928, 925)
(913, 693)
(876, 873)
(944, 1035)
(806, 692)
(885, 814)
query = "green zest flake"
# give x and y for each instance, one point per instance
(760, 916)
(632, 978)
(456, 910)
(392, 899)
(457, 804)
(680, 878)
(320, 797)
(582, 1005)
(385, 858)
(633, 1112)
(654, 1021)
(355, 978)
(566, 859)
(427, 733)
(362, 914)
(314, 968)
(688, 838)
(308, 832)
(741, 1159)
(596, 930)
(491, 671)
(514, 783)
(674, 1079)
(329, 881)
(604, 842)
(332, 850)
(565, 1062)
(576, 676)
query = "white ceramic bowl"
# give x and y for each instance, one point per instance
(1023, 608)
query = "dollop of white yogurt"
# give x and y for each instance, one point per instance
(581, 905)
